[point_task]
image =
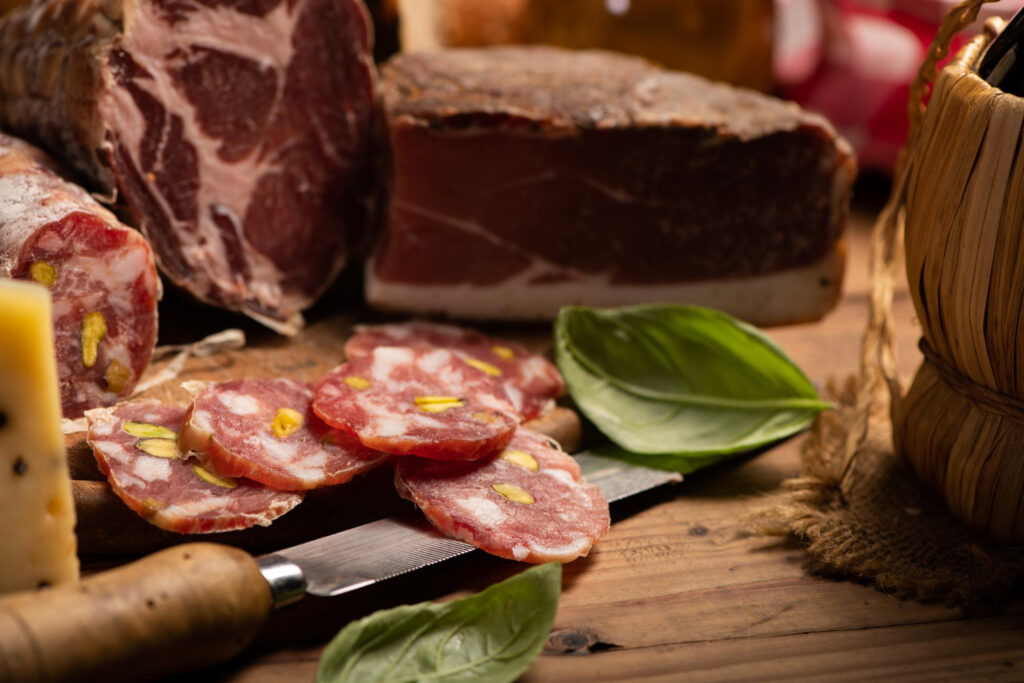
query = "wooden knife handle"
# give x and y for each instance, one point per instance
(179, 609)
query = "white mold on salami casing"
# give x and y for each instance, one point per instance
(93, 265)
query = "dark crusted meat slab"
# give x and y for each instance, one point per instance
(526, 178)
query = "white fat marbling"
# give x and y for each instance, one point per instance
(284, 450)
(560, 475)
(386, 359)
(239, 404)
(434, 361)
(390, 426)
(485, 511)
(152, 469)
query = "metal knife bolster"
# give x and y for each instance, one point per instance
(388, 547)
(286, 580)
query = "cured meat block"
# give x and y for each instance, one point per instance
(523, 179)
(234, 133)
(135, 445)
(100, 274)
(265, 430)
(426, 402)
(531, 381)
(530, 503)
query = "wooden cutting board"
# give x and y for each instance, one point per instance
(679, 589)
(108, 527)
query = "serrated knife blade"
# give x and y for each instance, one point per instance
(380, 550)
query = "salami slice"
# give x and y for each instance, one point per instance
(265, 430)
(531, 381)
(424, 402)
(100, 273)
(135, 446)
(530, 503)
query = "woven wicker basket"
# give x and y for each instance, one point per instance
(961, 425)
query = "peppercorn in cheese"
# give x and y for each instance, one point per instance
(37, 540)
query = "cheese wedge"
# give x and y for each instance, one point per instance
(37, 513)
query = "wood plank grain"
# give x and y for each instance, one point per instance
(990, 649)
(981, 649)
(680, 589)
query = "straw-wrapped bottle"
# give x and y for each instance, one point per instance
(961, 425)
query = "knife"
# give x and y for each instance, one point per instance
(198, 604)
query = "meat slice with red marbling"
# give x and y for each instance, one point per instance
(417, 401)
(136, 448)
(531, 381)
(529, 503)
(235, 134)
(265, 430)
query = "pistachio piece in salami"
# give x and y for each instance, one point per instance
(286, 422)
(161, 448)
(521, 458)
(265, 430)
(531, 381)
(530, 503)
(420, 401)
(149, 431)
(94, 327)
(211, 478)
(171, 492)
(43, 272)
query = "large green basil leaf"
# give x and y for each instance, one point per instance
(681, 380)
(493, 636)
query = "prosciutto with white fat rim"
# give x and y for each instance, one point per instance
(531, 381)
(529, 503)
(135, 445)
(426, 402)
(234, 133)
(526, 178)
(265, 430)
(100, 273)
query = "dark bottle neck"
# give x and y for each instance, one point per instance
(1003, 63)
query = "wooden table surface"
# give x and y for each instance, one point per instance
(679, 590)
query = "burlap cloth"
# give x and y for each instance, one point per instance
(881, 525)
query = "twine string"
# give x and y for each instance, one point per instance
(986, 398)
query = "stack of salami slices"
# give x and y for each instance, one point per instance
(447, 403)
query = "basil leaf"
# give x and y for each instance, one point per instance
(494, 635)
(681, 380)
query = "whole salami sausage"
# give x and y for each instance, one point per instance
(235, 134)
(424, 402)
(100, 273)
(135, 445)
(265, 429)
(530, 503)
(531, 381)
